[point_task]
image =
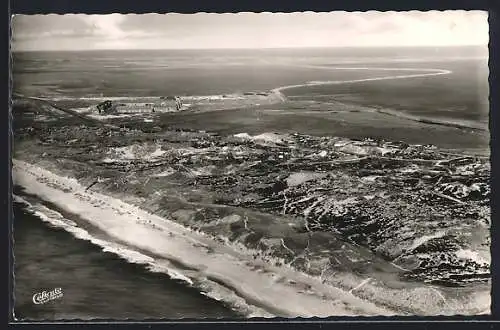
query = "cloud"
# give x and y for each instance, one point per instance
(254, 30)
(43, 26)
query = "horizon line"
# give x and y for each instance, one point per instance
(249, 48)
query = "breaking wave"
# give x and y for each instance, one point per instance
(205, 286)
(221, 271)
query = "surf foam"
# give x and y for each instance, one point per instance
(218, 263)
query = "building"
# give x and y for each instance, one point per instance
(134, 108)
(106, 107)
(173, 102)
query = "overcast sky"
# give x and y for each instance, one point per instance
(249, 30)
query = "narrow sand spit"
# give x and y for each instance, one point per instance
(425, 73)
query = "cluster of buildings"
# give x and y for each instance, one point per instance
(164, 104)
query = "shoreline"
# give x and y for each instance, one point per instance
(220, 262)
(58, 256)
(224, 267)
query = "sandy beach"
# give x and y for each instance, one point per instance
(129, 229)
(226, 264)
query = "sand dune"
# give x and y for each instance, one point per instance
(232, 266)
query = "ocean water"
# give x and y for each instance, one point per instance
(95, 284)
(462, 94)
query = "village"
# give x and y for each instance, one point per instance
(161, 104)
(164, 104)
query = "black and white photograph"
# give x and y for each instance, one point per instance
(250, 165)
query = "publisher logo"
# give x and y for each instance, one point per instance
(46, 296)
